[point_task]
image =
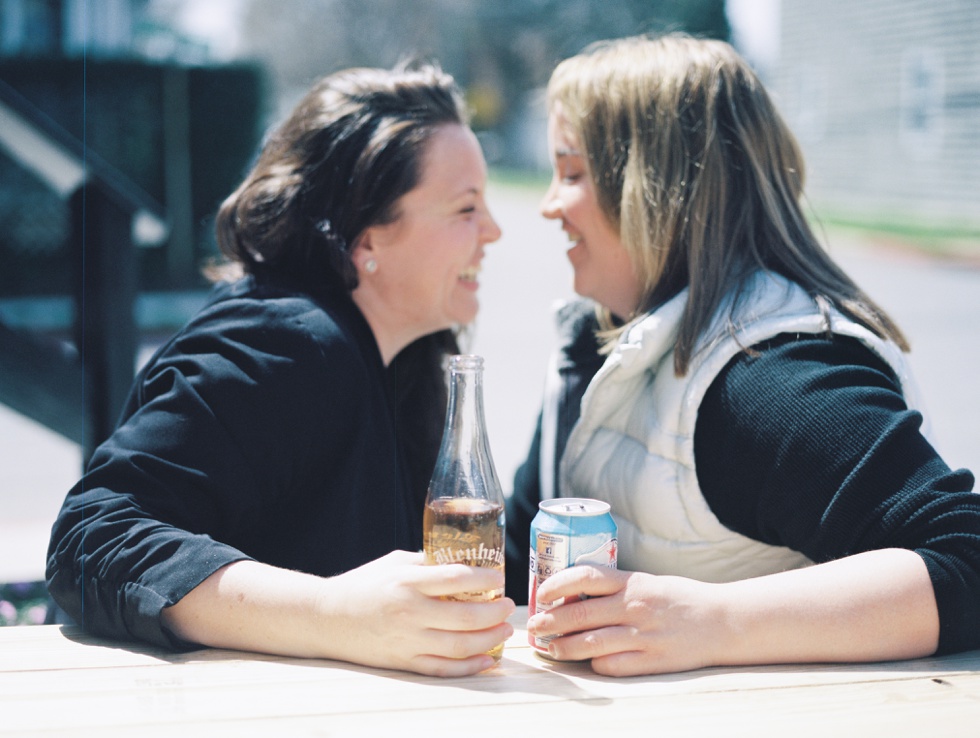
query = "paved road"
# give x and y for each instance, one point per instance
(937, 304)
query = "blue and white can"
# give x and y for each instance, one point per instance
(567, 531)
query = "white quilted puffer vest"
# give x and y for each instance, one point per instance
(634, 443)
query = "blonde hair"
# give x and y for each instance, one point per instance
(698, 172)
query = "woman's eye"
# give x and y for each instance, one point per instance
(467, 210)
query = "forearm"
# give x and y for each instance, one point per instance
(393, 612)
(873, 606)
(251, 606)
(876, 485)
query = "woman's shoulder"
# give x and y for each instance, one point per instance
(792, 361)
(794, 382)
(279, 318)
(577, 325)
(248, 300)
(267, 337)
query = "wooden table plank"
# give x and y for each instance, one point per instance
(913, 708)
(56, 680)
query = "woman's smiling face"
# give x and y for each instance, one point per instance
(428, 259)
(603, 270)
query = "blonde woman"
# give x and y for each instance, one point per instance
(743, 406)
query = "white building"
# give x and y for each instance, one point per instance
(884, 96)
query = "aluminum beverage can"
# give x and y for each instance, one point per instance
(567, 531)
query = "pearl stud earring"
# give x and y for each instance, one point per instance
(371, 266)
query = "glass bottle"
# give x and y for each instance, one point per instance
(464, 508)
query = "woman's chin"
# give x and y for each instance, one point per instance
(465, 310)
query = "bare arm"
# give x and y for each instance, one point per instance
(873, 606)
(386, 613)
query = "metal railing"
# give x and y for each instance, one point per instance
(79, 394)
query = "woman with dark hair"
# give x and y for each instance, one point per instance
(265, 485)
(745, 409)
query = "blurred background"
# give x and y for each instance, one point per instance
(124, 123)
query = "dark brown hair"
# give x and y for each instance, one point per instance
(349, 150)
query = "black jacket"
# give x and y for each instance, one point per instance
(264, 429)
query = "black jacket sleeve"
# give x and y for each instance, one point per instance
(220, 425)
(809, 444)
(522, 506)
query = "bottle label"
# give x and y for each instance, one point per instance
(480, 556)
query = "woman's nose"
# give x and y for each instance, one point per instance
(550, 205)
(490, 231)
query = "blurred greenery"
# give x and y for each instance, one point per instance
(920, 230)
(943, 239)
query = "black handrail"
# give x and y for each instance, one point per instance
(128, 195)
(79, 395)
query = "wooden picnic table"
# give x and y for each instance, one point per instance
(57, 680)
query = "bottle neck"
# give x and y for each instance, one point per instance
(465, 465)
(465, 411)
